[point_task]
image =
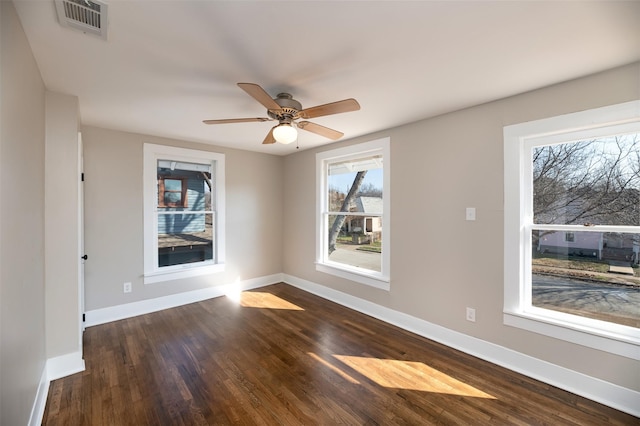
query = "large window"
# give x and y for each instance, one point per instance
(572, 227)
(353, 212)
(183, 212)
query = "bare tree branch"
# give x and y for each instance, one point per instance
(597, 180)
(339, 221)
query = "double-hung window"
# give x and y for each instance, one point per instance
(572, 227)
(353, 213)
(183, 213)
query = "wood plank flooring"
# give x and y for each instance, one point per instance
(281, 356)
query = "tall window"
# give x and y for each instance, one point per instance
(184, 212)
(572, 227)
(353, 212)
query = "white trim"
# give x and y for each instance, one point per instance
(343, 271)
(186, 272)
(582, 228)
(518, 312)
(118, 312)
(560, 330)
(40, 401)
(151, 154)
(81, 246)
(65, 365)
(613, 115)
(375, 279)
(595, 389)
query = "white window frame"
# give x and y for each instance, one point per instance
(151, 154)
(518, 310)
(375, 279)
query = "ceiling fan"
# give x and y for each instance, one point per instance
(287, 111)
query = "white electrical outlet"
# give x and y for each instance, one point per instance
(127, 287)
(471, 314)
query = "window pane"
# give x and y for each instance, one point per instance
(353, 246)
(590, 181)
(172, 198)
(185, 238)
(596, 275)
(363, 173)
(197, 178)
(173, 184)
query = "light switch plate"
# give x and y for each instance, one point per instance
(471, 213)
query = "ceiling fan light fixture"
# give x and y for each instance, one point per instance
(285, 133)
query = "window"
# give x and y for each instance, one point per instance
(172, 191)
(353, 213)
(183, 213)
(572, 228)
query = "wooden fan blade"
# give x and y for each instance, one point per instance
(320, 130)
(270, 139)
(236, 120)
(338, 107)
(259, 94)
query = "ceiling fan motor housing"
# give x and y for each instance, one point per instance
(289, 108)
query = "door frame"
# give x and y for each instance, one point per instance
(81, 252)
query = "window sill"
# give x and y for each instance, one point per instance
(372, 279)
(182, 272)
(620, 340)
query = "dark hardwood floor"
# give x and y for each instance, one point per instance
(279, 355)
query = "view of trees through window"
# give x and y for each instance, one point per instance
(355, 186)
(586, 228)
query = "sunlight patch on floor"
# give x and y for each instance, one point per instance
(410, 375)
(257, 299)
(333, 368)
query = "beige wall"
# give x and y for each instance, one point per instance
(22, 292)
(441, 263)
(63, 314)
(114, 218)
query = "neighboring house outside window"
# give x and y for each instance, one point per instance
(353, 213)
(370, 226)
(183, 213)
(172, 191)
(572, 228)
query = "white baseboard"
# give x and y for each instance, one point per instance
(40, 402)
(64, 365)
(54, 368)
(115, 313)
(598, 390)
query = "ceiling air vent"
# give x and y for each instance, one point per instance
(88, 16)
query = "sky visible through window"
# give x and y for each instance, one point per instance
(342, 182)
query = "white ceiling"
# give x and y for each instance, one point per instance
(168, 65)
